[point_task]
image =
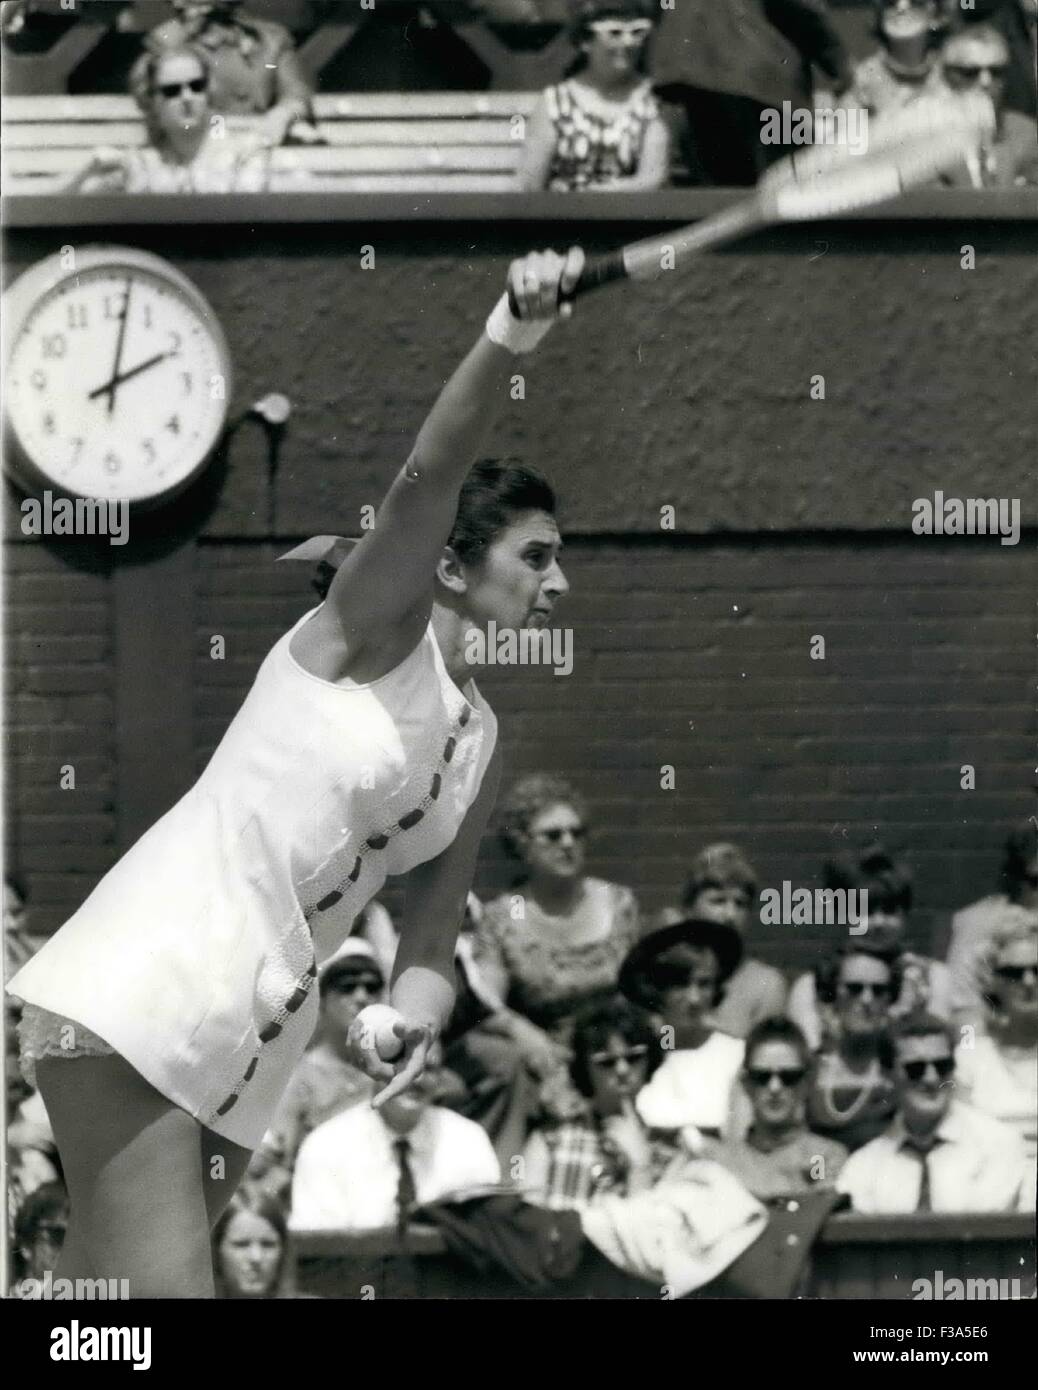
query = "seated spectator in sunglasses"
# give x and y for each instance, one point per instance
(997, 1070)
(324, 1083)
(678, 973)
(925, 983)
(779, 1155)
(185, 153)
(976, 60)
(722, 887)
(904, 66)
(1017, 22)
(937, 1154)
(973, 927)
(554, 942)
(615, 1051)
(255, 70)
(851, 1095)
(601, 128)
(366, 1169)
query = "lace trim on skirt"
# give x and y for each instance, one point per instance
(45, 1034)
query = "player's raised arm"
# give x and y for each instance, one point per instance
(390, 573)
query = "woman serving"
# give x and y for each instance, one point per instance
(166, 1016)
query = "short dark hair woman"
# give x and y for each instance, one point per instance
(166, 1017)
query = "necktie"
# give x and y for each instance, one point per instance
(406, 1192)
(923, 1203)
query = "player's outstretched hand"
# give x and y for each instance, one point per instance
(417, 1039)
(536, 281)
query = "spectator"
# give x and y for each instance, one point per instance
(601, 128)
(251, 1248)
(937, 1154)
(366, 1169)
(851, 1097)
(973, 927)
(555, 942)
(679, 974)
(722, 887)
(325, 1083)
(1017, 22)
(779, 1156)
(185, 154)
(905, 64)
(18, 943)
(39, 1230)
(925, 983)
(997, 1071)
(615, 1051)
(253, 62)
(977, 60)
(727, 61)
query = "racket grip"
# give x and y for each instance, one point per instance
(601, 271)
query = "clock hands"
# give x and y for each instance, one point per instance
(110, 387)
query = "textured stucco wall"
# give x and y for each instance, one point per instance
(693, 392)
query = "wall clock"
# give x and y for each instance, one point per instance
(118, 376)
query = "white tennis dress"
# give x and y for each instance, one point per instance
(195, 957)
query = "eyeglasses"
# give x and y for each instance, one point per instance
(350, 984)
(556, 832)
(620, 30)
(856, 988)
(969, 73)
(915, 1071)
(169, 90)
(638, 1053)
(789, 1076)
(1016, 973)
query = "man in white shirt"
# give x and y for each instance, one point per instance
(938, 1154)
(365, 1169)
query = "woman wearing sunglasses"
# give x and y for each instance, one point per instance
(554, 943)
(851, 1096)
(600, 129)
(998, 1068)
(188, 150)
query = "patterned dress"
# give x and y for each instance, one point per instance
(592, 148)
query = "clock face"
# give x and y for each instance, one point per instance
(117, 383)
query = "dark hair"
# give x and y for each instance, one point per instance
(920, 1024)
(266, 1206)
(888, 881)
(17, 885)
(495, 492)
(1020, 846)
(719, 866)
(827, 974)
(584, 13)
(597, 1024)
(776, 1029)
(48, 1201)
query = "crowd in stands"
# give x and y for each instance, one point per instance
(644, 1075)
(651, 94)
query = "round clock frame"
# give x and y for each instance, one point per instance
(160, 467)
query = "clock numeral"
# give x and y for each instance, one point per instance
(173, 424)
(187, 379)
(77, 449)
(115, 306)
(111, 463)
(39, 379)
(54, 345)
(77, 315)
(175, 341)
(147, 316)
(48, 423)
(149, 450)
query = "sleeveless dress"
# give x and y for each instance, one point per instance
(195, 957)
(592, 148)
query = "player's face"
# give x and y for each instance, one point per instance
(554, 843)
(775, 1080)
(520, 580)
(617, 1071)
(863, 994)
(925, 1072)
(180, 94)
(250, 1253)
(730, 906)
(1016, 980)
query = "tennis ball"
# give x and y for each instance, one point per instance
(377, 1022)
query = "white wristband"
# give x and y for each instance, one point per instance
(517, 335)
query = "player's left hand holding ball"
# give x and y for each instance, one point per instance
(388, 1048)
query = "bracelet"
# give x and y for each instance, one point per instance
(517, 335)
